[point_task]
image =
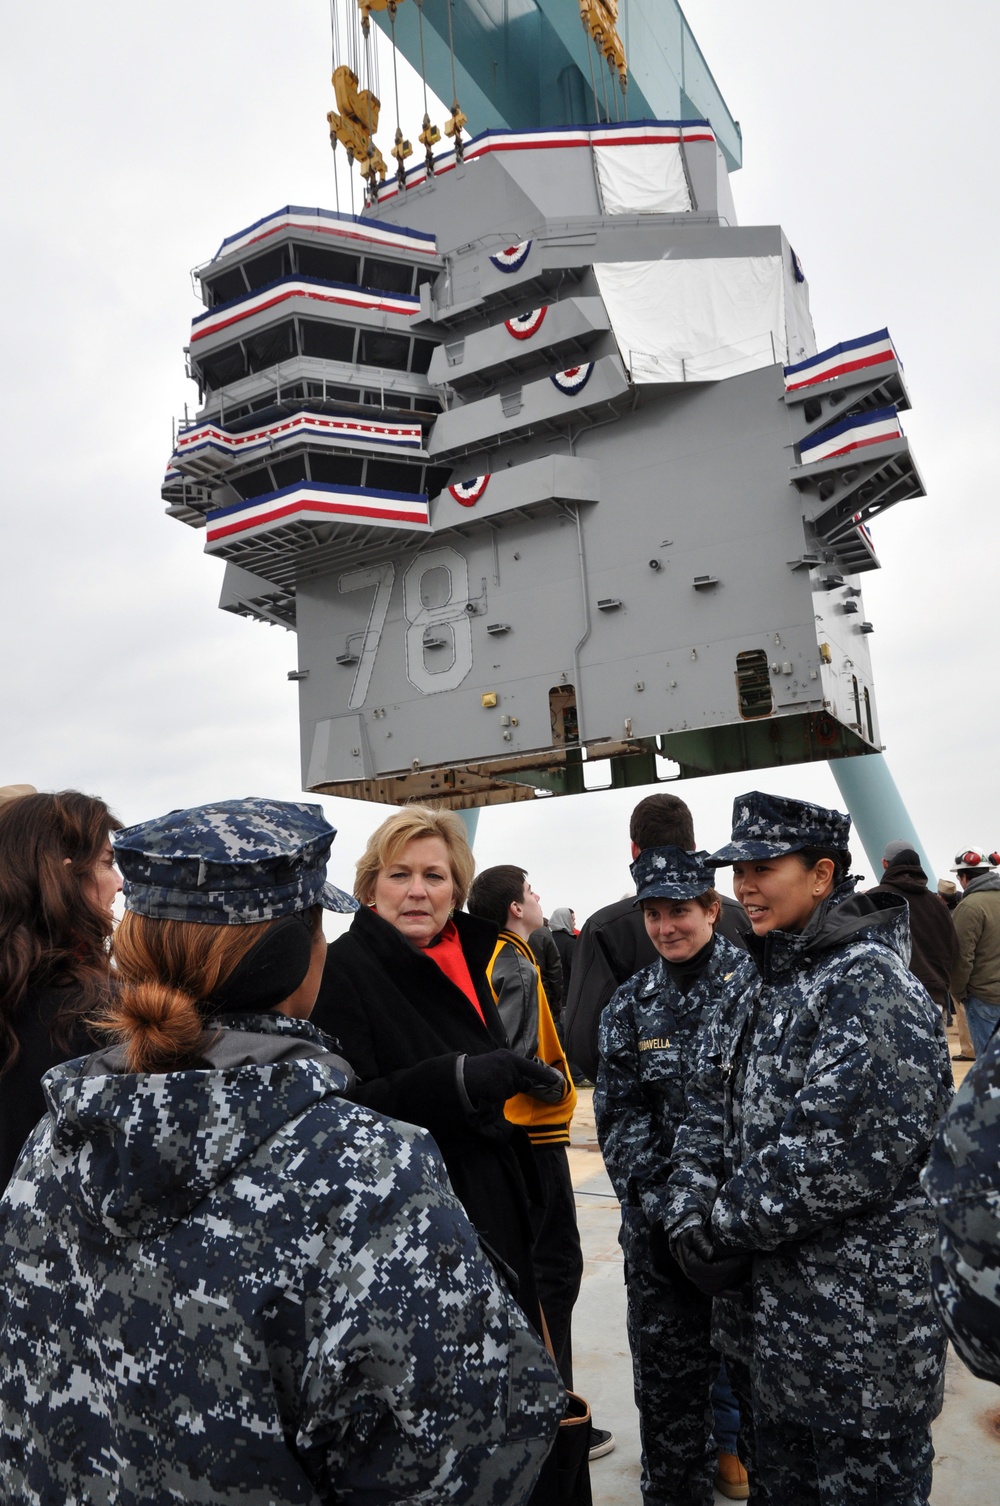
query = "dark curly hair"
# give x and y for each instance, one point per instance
(53, 931)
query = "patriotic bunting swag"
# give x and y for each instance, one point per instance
(523, 326)
(513, 258)
(469, 492)
(573, 379)
(875, 427)
(316, 502)
(838, 361)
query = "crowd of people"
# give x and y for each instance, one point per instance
(288, 1221)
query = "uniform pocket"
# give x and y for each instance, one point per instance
(908, 1345)
(812, 1332)
(663, 1076)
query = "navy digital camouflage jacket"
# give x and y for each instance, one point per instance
(811, 1113)
(648, 1040)
(962, 1180)
(230, 1284)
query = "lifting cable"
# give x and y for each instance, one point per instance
(402, 148)
(451, 49)
(335, 64)
(372, 90)
(395, 70)
(429, 135)
(453, 127)
(423, 65)
(593, 80)
(376, 66)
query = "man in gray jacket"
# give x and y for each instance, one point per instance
(976, 978)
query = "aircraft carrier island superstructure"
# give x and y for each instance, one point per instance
(538, 457)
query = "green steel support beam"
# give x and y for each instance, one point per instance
(526, 64)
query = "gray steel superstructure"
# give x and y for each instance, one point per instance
(540, 461)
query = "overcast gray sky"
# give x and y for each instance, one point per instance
(138, 136)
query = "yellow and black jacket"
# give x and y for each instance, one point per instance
(516, 985)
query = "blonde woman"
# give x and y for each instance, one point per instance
(405, 994)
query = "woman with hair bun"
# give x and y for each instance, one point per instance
(58, 883)
(223, 1281)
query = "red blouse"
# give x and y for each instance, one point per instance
(447, 952)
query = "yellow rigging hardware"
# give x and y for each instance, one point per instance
(367, 6)
(600, 20)
(355, 126)
(356, 118)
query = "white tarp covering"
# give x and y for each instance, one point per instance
(645, 179)
(724, 191)
(798, 319)
(696, 320)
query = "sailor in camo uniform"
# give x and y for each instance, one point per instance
(649, 1034)
(226, 1283)
(810, 1116)
(962, 1180)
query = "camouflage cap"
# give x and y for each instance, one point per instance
(670, 873)
(769, 826)
(233, 863)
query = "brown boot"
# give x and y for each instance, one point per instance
(731, 1480)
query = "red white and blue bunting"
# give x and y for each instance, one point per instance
(513, 258)
(309, 288)
(353, 432)
(347, 227)
(497, 139)
(315, 502)
(840, 360)
(876, 427)
(469, 492)
(523, 326)
(573, 379)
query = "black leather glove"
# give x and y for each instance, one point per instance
(709, 1272)
(498, 1075)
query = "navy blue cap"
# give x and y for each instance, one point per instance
(769, 826)
(671, 873)
(232, 863)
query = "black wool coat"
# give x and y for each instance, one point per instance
(402, 1024)
(22, 1102)
(933, 938)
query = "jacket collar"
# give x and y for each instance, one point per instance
(908, 878)
(984, 881)
(478, 938)
(722, 962)
(138, 1151)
